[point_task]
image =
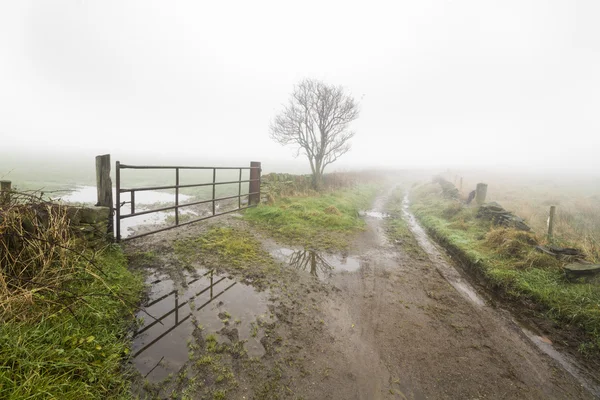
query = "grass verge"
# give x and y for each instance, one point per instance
(76, 353)
(506, 258)
(324, 221)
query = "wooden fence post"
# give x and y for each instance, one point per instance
(480, 193)
(104, 187)
(255, 171)
(551, 221)
(5, 188)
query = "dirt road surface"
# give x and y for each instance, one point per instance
(388, 324)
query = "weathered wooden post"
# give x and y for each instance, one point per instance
(104, 187)
(480, 193)
(551, 221)
(255, 171)
(5, 188)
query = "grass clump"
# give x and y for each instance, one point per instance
(322, 221)
(508, 259)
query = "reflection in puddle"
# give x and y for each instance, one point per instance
(160, 343)
(317, 264)
(373, 214)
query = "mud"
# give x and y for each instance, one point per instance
(378, 323)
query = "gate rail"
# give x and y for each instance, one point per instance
(253, 194)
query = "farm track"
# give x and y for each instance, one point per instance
(393, 329)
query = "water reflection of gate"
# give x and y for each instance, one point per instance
(178, 305)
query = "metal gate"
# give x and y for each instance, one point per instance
(253, 194)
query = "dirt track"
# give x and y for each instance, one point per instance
(395, 328)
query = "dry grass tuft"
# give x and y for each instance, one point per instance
(510, 242)
(332, 210)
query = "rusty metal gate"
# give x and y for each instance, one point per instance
(253, 194)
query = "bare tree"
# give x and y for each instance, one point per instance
(316, 120)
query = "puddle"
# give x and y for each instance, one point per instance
(320, 265)
(448, 271)
(213, 301)
(373, 214)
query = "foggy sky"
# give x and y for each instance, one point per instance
(453, 83)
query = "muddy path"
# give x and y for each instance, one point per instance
(376, 323)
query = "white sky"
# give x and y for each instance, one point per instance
(457, 83)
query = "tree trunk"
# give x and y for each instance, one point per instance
(316, 181)
(317, 175)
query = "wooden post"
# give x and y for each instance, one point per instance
(255, 171)
(551, 221)
(480, 193)
(5, 188)
(460, 188)
(104, 187)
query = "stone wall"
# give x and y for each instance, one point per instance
(90, 223)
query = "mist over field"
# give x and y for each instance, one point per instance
(465, 84)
